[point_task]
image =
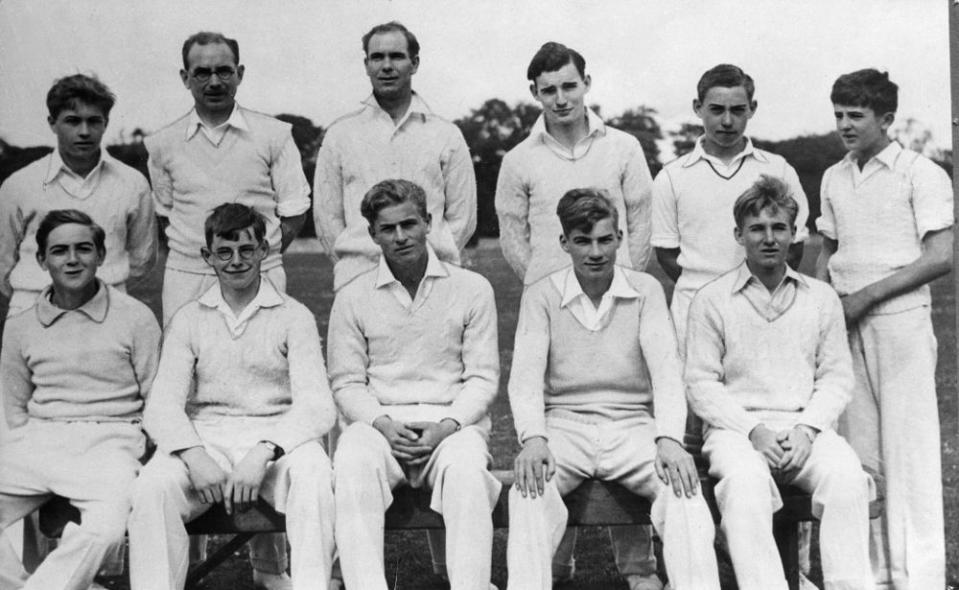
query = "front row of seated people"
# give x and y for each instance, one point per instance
(240, 401)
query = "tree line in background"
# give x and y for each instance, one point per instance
(495, 127)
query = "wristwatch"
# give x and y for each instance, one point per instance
(277, 449)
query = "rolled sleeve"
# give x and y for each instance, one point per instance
(160, 180)
(799, 195)
(480, 360)
(289, 182)
(12, 228)
(664, 213)
(145, 355)
(15, 378)
(142, 233)
(826, 223)
(528, 372)
(932, 198)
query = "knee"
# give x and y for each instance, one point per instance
(358, 454)
(310, 462)
(108, 528)
(745, 485)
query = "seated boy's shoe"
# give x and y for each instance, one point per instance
(650, 582)
(267, 581)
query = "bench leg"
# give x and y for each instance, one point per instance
(199, 571)
(787, 540)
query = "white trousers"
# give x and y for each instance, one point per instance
(623, 452)
(893, 424)
(180, 288)
(464, 492)
(748, 496)
(298, 485)
(93, 465)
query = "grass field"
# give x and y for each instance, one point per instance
(407, 558)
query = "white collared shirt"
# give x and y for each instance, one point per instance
(769, 304)
(722, 168)
(385, 279)
(215, 134)
(267, 296)
(595, 128)
(590, 316)
(78, 186)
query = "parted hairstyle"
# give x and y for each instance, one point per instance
(67, 91)
(770, 192)
(58, 217)
(412, 45)
(581, 208)
(390, 192)
(553, 56)
(205, 38)
(725, 76)
(229, 219)
(866, 88)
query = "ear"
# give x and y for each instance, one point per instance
(738, 234)
(207, 255)
(587, 82)
(886, 121)
(371, 229)
(697, 104)
(564, 243)
(415, 61)
(263, 249)
(51, 121)
(185, 77)
(42, 261)
(240, 69)
(429, 222)
(753, 105)
(532, 91)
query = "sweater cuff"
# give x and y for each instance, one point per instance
(534, 428)
(180, 443)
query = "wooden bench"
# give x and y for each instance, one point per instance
(594, 503)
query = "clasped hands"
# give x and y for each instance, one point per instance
(785, 451)
(412, 443)
(238, 489)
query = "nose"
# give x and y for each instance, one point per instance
(400, 235)
(72, 257)
(387, 64)
(769, 236)
(560, 97)
(84, 129)
(727, 119)
(594, 251)
(843, 122)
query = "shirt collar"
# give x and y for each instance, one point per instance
(236, 120)
(619, 288)
(887, 156)
(57, 165)
(699, 153)
(596, 126)
(266, 296)
(744, 275)
(434, 268)
(417, 106)
(95, 309)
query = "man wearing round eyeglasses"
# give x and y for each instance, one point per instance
(220, 152)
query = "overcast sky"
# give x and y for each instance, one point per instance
(304, 56)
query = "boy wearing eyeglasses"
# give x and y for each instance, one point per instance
(250, 429)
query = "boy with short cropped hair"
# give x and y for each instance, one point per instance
(768, 371)
(249, 428)
(596, 392)
(75, 369)
(887, 220)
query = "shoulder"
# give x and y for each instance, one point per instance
(642, 282)
(29, 177)
(717, 289)
(126, 172)
(186, 316)
(545, 289)
(296, 310)
(132, 311)
(360, 288)
(160, 138)
(772, 158)
(621, 139)
(344, 123)
(263, 122)
(820, 289)
(18, 323)
(468, 280)
(919, 165)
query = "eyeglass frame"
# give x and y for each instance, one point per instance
(246, 253)
(204, 75)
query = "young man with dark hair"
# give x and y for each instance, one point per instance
(394, 134)
(887, 222)
(217, 153)
(693, 195)
(414, 367)
(596, 392)
(75, 368)
(251, 426)
(768, 371)
(80, 175)
(570, 146)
